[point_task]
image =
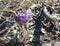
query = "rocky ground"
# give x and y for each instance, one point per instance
(41, 29)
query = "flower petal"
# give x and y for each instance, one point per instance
(22, 16)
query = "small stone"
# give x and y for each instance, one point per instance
(57, 43)
(43, 30)
(47, 44)
(14, 31)
(9, 38)
(31, 37)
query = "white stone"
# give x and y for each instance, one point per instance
(43, 30)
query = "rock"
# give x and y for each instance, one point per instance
(47, 44)
(43, 30)
(57, 43)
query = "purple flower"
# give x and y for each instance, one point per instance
(22, 16)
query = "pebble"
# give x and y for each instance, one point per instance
(57, 43)
(47, 44)
(43, 30)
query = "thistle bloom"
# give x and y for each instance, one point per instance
(22, 16)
